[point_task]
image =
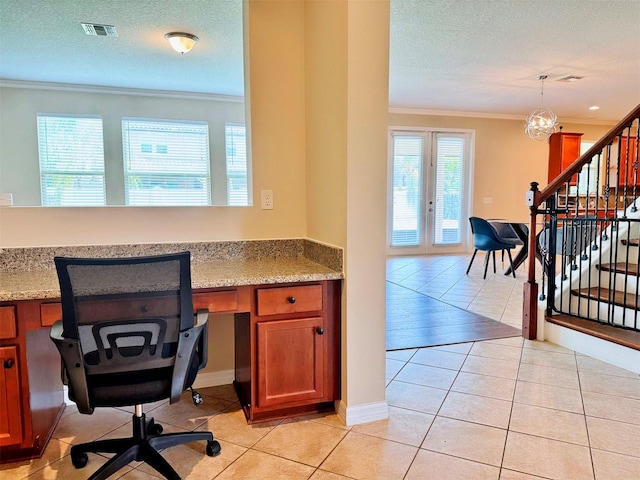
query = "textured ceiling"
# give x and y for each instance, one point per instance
(472, 56)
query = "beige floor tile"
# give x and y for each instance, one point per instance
(511, 341)
(302, 441)
(511, 475)
(613, 466)
(415, 397)
(137, 474)
(439, 358)
(476, 409)
(544, 422)
(484, 385)
(363, 457)
(55, 451)
(429, 464)
(549, 359)
(255, 465)
(64, 470)
(546, 346)
(393, 367)
(547, 458)
(403, 426)
(224, 392)
(328, 418)
(614, 436)
(231, 426)
(612, 408)
(560, 377)
(185, 414)
(403, 355)
(427, 376)
(463, 348)
(549, 396)
(323, 475)
(79, 428)
(493, 350)
(589, 364)
(475, 442)
(610, 385)
(491, 366)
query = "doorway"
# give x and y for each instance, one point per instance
(429, 191)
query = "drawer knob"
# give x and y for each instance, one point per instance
(320, 331)
(292, 300)
(8, 363)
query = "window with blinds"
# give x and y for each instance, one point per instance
(407, 191)
(166, 162)
(71, 153)
(235, 139)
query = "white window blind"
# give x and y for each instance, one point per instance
(71, 156)
(166, 162)
(450, 163)
(407, 190)
(236, 151)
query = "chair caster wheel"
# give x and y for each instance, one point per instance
(213, 448)
(197, 398)
(80, 460)
(155, 429)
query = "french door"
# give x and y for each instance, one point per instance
(429, 191)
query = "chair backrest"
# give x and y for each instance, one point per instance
(125, 312)
(571, 240)
(485, 236)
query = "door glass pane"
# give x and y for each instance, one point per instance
(449, 182)
(407, 191)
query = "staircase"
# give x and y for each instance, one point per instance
(591, 246)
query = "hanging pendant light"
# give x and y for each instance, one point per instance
(542, 122)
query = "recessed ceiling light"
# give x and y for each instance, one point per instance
(594, 107)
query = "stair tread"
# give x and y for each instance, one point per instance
(632, 242)
(625, 337)
(620, 267)
(629, 300)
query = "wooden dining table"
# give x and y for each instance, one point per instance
(516, 233)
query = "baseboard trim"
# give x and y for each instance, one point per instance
(369, 412)
(213, 379)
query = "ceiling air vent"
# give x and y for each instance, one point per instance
(570, 78)
(99, 30)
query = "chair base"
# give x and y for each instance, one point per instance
(143, 446)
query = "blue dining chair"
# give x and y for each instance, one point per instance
(487, 239)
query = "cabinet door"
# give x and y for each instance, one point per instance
(10, 416)
(290, 362)
(627, 161)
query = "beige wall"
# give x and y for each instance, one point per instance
(506, 161)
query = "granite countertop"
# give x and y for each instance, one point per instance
(41, 284)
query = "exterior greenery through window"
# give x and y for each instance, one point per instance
(166, 162)
(71, 156)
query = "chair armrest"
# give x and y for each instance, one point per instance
(191, 342)
(73, 367)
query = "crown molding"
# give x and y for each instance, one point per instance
(70, 87)
(497, 116)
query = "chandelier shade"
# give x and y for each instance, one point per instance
(542, 122)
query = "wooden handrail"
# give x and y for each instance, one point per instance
(577, 165)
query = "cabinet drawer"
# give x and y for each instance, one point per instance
(216, 302)
(273, 301)
(50, 313)
(8, 322)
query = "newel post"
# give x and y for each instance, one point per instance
(530, 289)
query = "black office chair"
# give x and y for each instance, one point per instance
(127, 337)
(486, 238)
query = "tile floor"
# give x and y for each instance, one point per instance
(505, 409)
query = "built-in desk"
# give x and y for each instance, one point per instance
(287, 340)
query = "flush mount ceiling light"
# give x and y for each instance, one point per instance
(542, 122)
(181, 42)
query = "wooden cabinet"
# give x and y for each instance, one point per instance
(288, 351)
(628, 155)
(31, 395)
(10, 416)
(564, 149)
